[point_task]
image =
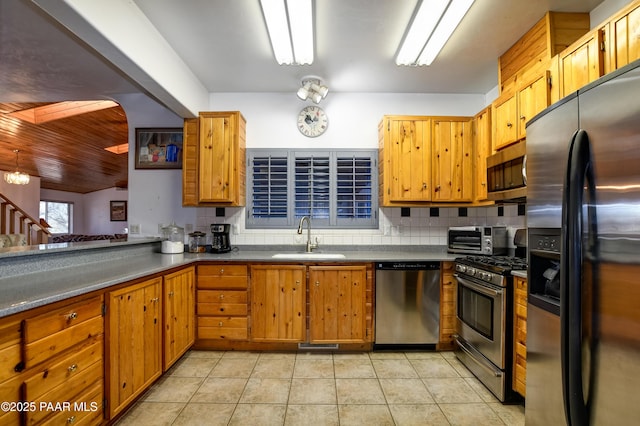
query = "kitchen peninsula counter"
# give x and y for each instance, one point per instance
(39, 275)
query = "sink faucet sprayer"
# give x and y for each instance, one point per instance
(310, 245)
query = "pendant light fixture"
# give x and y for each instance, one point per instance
(17, 177)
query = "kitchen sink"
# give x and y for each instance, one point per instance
(304, 255)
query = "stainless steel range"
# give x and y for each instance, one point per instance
(485, 319)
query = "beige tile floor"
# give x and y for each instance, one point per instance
(376, 388)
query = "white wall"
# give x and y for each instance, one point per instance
(27, 197)
(155, 196)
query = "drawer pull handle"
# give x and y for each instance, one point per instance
(317, 283)
(155, 299)
(170, 293)
(72, 316)
(72, 368)
(221, 271)
(71, 420)
(220, 324)
(221, 296)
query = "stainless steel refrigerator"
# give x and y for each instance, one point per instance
(583, 219)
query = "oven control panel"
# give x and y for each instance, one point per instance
(482, 275)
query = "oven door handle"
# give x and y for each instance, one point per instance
(487, 291)
(477, 357)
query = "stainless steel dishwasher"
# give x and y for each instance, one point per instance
(407, 305)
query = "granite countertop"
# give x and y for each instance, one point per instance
(28, 281)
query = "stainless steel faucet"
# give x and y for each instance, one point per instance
(310, 245)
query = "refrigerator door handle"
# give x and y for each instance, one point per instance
(579, 173)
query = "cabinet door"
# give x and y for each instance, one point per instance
(447, 306)
(278, 303)
(217, 158)
(625, 39)
(520, 335)
(581, 64)
(179, 314)
(337, 298)
(134, 342)
(408, 154)
(532, 99)
(452, 161)
(190, 147)
(505, 122)
(482, 149)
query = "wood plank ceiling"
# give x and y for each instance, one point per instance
(68, 154)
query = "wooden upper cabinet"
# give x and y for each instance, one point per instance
(405, 160)
(506, 121)
(453, 169)
(581, 63)
(214, 160)
(481, 150)
(511, 112)
(623, 41)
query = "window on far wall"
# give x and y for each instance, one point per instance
(58, 215)
(336, 188)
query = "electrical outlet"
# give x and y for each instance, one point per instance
(317, 239)
(298, 239)
(188, 228)
(134, 229)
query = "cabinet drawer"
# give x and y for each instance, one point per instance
(69, 391)
(84, 409)
(56, 343)
(61, 371)
(221, 296)
(215, 282)
(68, 316)
(222, 270)
(221, 309)
(223, 328)
(10, 355)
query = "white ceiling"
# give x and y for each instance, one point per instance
(225, 44)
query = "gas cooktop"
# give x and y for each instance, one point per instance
(497, 264)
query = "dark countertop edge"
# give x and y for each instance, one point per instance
(44, 249)
(521, 274)
(22, 292)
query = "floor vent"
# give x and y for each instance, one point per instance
(318, 347)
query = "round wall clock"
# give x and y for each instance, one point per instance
(312, 121)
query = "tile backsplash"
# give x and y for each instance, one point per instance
(423, 226)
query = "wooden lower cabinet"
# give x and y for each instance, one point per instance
(447, 306)
(134, 341)
(337, 304)
(222, 302)
(520, 335)
(278, 303)
(179, 314)
(51, 362)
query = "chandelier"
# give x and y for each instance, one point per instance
(17, 177)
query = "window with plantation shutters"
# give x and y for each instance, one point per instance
(336, 188)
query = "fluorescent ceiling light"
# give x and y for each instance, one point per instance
(290, 26)
(432, 25)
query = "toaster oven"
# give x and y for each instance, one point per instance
(487, 240)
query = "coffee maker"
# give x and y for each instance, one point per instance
(220, 242)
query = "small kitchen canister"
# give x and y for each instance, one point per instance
(172, 239)
(197, 242)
